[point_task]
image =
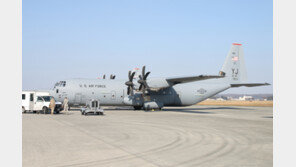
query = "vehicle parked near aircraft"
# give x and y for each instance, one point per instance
(154, 93)
(38, 101)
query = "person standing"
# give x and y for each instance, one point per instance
(65, 105)
(52, 105)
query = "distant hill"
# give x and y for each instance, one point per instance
(236, 96)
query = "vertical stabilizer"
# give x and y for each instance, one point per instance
(234, 68)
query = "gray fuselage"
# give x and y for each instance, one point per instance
(114, 92)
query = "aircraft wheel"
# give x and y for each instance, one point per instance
(137, 107)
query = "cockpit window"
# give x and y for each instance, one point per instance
(56, 84)
(60, 84)
(63, 83)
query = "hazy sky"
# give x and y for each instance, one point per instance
(65, 39)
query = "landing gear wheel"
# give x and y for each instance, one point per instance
(137, 107)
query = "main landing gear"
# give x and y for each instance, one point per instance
(146, 109)
(137, 107)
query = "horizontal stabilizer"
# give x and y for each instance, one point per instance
(178, 80)
(249, 84)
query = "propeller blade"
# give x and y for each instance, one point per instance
(129, 75)
(129, 83)
(140, 88)
(146, 85)
(128, 90)
(132, 90)
(132, 76)
(143, 71)
(146, 75)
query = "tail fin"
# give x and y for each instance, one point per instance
(234, 68)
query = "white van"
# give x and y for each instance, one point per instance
(37, 101)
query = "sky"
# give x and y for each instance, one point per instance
(65, 39)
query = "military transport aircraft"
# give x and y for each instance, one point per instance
(154, 93)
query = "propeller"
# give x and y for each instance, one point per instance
(130, 84)
(142, 80)
(112, 76)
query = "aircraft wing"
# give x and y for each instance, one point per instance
(177, 80)
(249, 84)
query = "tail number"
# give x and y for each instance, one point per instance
(234, 73)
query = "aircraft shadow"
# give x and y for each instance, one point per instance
(268, 117)
(186, 111)
(222, 108)
(198, 110)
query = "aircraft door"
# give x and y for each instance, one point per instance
(31, 101)
(77, 99)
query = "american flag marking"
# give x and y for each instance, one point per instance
(235, 58)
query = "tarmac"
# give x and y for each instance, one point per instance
(214, 136)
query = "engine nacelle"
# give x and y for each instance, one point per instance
(152, 105)
(158, 83)
(135, 100)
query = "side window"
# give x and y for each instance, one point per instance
(23, 96)
(39, 99)
(31, 97)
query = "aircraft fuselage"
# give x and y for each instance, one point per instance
(114, 93)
